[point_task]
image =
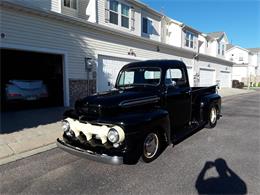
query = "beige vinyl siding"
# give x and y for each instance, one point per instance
(69, 11)
(101, 7)
(80, 12)
(50, 5)
(82, 6)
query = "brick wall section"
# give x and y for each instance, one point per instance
(79, 89)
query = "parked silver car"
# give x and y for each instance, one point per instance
(26, 90)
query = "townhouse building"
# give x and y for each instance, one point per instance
(246, 63)
(209, 65)
(77, 47)
(254, 58)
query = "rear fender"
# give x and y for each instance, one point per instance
(207, 101)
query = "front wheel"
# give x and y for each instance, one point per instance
(152, 147)
(212, 117)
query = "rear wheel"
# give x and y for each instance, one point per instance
(152, 147)
(212, 117)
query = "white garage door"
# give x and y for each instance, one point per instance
(108, 69)
(190, 74)
(207, 77)
(225, 79)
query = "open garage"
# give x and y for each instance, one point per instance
(31, 79)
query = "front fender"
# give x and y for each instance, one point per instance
(142, 123)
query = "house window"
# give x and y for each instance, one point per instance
(218, 48)
(145, 25)
(223, 50)
(240, 58)
(118, 13)
(189, 39)
(125, 15)
(70, 4)
(113, 12)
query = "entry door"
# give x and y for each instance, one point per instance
(108, 69)
(207, 77)
(225, 79)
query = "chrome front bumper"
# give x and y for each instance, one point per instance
(115, 160)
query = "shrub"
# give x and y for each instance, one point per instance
(258, 84)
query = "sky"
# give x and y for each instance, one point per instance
(240, 19)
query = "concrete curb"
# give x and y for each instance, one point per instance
(27, 154)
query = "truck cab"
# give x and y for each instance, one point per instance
(151, 107)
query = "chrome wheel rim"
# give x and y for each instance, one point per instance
(151, 145)
(213, 115)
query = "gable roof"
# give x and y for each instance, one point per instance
(229, 46)
(254, 50)
(216, 35)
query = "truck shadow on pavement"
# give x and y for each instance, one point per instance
(227, 181)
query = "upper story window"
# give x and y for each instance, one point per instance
(113, 12)
(125, 15)
(145, 26)
(70, 4)
(240, 58)
(219, 47)
(189, 39)
(118, 13)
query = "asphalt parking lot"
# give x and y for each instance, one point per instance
(221, 160)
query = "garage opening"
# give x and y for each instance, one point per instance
(30, 80)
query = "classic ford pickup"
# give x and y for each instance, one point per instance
(151, 107)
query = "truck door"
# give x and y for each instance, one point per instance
(178, 98)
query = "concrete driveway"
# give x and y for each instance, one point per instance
(26, 130)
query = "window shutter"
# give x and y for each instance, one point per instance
(106, 11)
(132, 18)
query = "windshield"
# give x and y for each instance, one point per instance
(139, 76)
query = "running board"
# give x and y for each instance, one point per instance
(181, 135)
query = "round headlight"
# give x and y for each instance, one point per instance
(65, 125)
(113, 135)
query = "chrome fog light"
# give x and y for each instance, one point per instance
(113, 135)
(65, 125)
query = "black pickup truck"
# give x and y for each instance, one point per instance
(151, 107)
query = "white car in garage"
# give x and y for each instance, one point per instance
(26, 90)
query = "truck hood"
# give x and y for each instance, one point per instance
(116, 100)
